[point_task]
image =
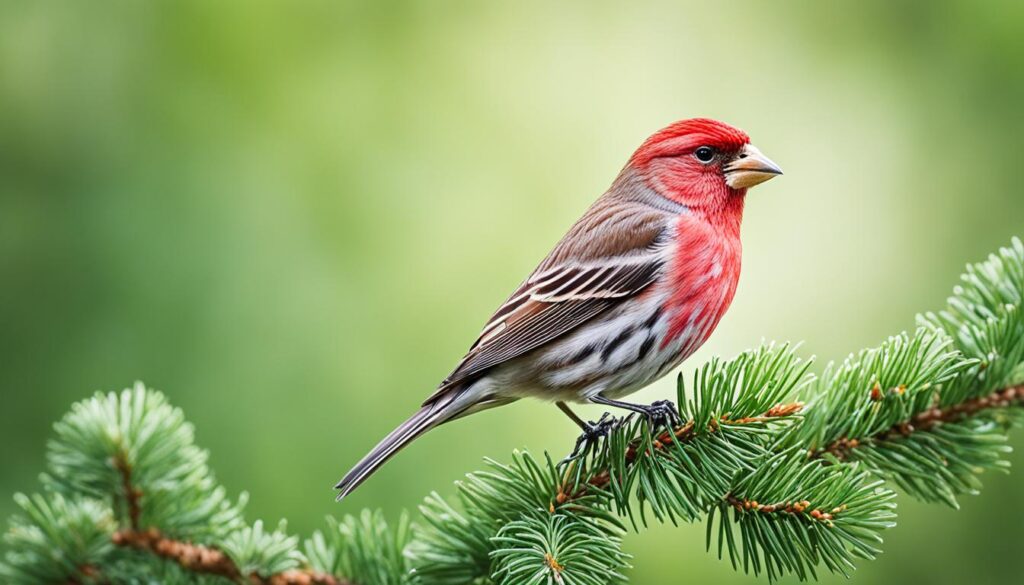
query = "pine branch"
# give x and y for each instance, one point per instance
(211, 561)
(930, 411)
(129, 494)
(193, 557)
(788, 470)
(929, 419)
(684, 433)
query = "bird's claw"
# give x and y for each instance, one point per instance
(663, 411)
(594, 432)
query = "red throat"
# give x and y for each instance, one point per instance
(703, 279)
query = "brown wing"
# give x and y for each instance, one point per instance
(610, 255)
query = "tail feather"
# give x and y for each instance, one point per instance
(429, 416)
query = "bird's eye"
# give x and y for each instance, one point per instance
(704, 154)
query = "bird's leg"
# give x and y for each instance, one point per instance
(573, 416)
(592, 431)
(658, 411)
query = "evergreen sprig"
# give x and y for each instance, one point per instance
(363, 549)
(134, 448)
(465, 543)
(793, 515)
(56, 537)
(929, 412)
(790, 472)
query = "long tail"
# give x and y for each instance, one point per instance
(443, 409)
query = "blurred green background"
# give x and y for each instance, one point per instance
(293, 218)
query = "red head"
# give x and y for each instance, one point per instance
(703, 164)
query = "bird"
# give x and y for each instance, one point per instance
(634, 287)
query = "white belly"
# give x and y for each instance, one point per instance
(613, 355)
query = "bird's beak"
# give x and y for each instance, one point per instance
(750, 167)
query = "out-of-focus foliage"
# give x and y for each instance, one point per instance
(295, 216)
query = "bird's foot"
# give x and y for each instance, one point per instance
(662, 412)
(656, 413)
(600, 429)
(592, 434)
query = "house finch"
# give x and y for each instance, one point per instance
(635, 287)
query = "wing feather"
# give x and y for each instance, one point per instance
(538, 316)
(573, 286)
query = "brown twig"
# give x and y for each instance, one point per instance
(802, 508)
(195, 557)
(131, 494)
(682, 433)
(210, 561)
(928, 419)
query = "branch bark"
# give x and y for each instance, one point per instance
(131, 494)
(843, 447)
(210, 561)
